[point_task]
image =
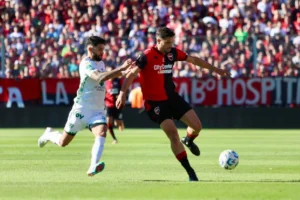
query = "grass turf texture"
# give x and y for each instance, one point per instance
(142, 166)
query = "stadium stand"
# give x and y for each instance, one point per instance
(45, 38)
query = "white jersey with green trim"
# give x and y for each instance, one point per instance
(90, 94)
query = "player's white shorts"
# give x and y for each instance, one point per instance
(81, 118)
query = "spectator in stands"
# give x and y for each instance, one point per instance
(216, 30)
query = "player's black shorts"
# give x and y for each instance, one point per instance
(115, 113)
(173, 108)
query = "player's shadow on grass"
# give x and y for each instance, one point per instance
(233, 181)
(252, 181)
(162, 181)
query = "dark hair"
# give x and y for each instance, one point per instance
(94, 41)
(164, 32)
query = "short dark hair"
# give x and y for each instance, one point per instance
(94, 41)
(164, 32)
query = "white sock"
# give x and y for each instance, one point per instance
(54, 137)
(97, 149)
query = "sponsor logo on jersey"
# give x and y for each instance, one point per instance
(163, 69)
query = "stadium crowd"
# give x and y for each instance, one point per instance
(45, 38)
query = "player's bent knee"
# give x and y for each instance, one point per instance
(103, 134)
(198, 126)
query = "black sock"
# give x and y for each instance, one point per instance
(111, 131)
(182, 158)
(186, 164)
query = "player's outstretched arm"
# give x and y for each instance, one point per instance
(127, 82)
(202, 63)
(120, 71)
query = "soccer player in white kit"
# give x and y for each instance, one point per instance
(89, 108)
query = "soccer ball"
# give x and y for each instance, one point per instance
(229, 159)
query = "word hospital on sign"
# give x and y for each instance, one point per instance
(282, 91)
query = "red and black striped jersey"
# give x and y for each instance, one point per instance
(156, 75)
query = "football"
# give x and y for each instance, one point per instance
(229, 159)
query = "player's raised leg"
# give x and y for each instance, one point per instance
(191, 119)
(60, 139)
(170, 129)
(72, 126)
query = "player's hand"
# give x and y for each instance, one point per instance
(120, 102)
(127, 64)
(222, 72)
(127, 69)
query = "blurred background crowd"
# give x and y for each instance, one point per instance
(45, 38)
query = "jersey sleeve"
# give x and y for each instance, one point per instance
(141, 61)
(181, 55)
(88, 68)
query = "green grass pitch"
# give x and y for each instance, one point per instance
(143, 167)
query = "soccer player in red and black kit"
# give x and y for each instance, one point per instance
(114, 115)
(162, 102)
